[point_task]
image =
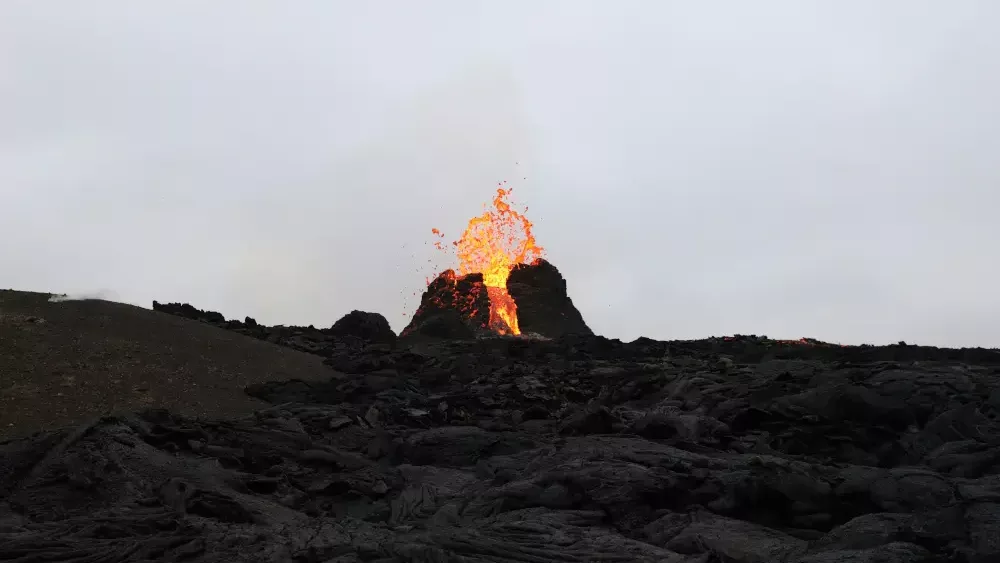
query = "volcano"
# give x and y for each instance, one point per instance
(178, 435)
(533, 298)
(503, 285)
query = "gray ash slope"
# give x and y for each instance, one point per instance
(575, 449)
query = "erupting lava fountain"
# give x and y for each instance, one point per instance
(492, 244)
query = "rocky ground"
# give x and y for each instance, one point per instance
(446, 446)
(534, 450)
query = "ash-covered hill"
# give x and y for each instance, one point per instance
(509, 449)
(65, 363)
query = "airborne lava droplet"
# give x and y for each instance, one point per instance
(492, 244)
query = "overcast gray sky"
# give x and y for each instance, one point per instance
(790, 168)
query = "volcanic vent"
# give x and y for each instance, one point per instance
(503, 285)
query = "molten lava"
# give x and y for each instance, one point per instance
(492, 244)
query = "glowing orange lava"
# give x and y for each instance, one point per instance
(492, 244)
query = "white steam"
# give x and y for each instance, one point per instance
(102, 295)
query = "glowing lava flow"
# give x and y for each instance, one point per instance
(492, 244)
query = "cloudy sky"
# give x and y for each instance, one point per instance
(783, 167)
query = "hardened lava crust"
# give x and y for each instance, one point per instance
(470, 447)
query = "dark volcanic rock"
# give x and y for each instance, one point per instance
(190, 312)
(446, 324)
(451, 307)
(573, 449)
(543, 306)
(353, 330)
(369, 327)
(539, 291)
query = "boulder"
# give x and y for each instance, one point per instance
(369, 327)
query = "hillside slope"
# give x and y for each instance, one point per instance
(65, 363)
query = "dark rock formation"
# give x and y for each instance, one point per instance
(543, 305)
(367, 327)
(190, 312)
(353, 330)
(573, 449)
(451, 307)
(441, 324)
(539, 290)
